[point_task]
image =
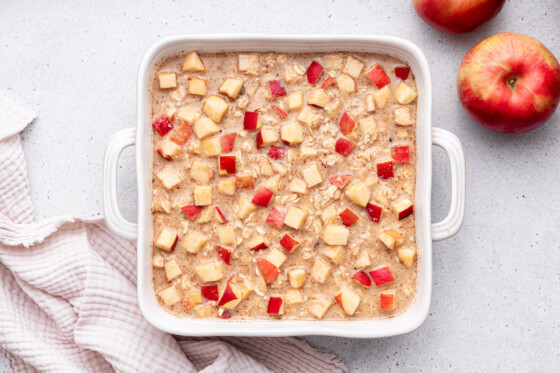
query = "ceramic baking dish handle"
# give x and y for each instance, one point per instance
(452, 146)
(113, 217)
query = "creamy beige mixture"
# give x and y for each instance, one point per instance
(256, 168)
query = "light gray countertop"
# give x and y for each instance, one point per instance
(496, 300)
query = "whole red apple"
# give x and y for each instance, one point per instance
(457, 16)
(509, 83)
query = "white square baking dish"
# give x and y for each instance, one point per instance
(426, 232)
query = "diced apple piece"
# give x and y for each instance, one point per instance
(268, 270)
(192, 298)
(167, 80)
(347, 300)
(346, 124)
(215, 107)
(404, 94)
(172, 270)
(252, 120)
(314, 71)
(321, 270)
(276, 89)
(335, 235)
(403, 208)
(319, 305)
(402, 72)
(348, 217)
(329, 81)
(344, 146)
(192, 211)
(340, 180)
(245, 207)
(224, 254)
(230, 296)
(197, 86)
(157, 261)
(282, 113)
(406, 256)
(329, 213)
(374, 212)
(318, 98)
(170, 295)
(400, 154)
(298, 186)
(162, 125)
(245, 181)
(403, 116)
(193, 242)
(266, 136)
(212, 147)
(168, 149)
(293, 296)
(387, 300)
(203, 195)
(291, 133)
(370, 103)
(391, 238)
(385, 170)
(273, 183)
(362, 259)
(257, 243)
(231, 87)
(167, 239)
(276, 257)
(289, 243)
(262, 196)
(368, 126)
(362, 278)
(220, 217)
(312, 175)
(205, 127)
(353, 67)
(334, 253)
(226, 165)
(182, 134)
(296, 277)
(209, 292)
(226, 186)
(248, 63)
(295, 217)
(276, 152)
(381, 97)
(209, 272)
(201, 173)
(168, 178)
(381, 275)
(295, 101)
(227, 142)
(276, 218)
(382, 195)
(265, 166)
(310, 117)
(358, 193)
(193, 63)
(378, 76)
(226, 235)
(275, 306)
(187, 114)
(345, 83)
(307, 152)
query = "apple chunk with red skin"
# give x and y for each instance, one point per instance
(344, 146)
(403, 208)
(252, 121)
(182, 134)
(276, 152)
(276, 89)
(289, 243)
(162, 125)
(227, 142)
(257, 243)
(229, 297)
(276, 218)
(400, 154)
(374, 212)
(224, 253)
(346, 124)
(314, 72)
(192, 211)
(340, 180)
(245, 181)
(227, 165)
(378, 76)
(209, 292)
(167, 239)
(268, 270)
(275, 306)
(362, 278)
(262, 196)
(221, 215)
(509, 83)
(385, 170)
(348, 217)
(402, 72)
(387, 300)
(282, 113)
(381, 275)
(347, 300)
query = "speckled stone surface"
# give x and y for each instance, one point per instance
(496, 300)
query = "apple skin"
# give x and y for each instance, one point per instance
(457, 16)
(509, 83)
